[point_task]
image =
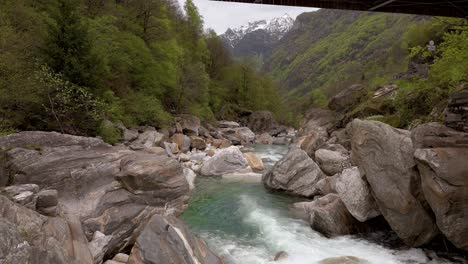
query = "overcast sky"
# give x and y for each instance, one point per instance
(222, 15)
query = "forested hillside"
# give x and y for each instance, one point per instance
(329, 50)
(67, 65)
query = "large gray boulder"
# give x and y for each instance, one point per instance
(183, 142)
(327, 215)
(347, 98)
(160, 178)
(239, 135)
(317, 120)
(225, 161)
(312, 142)
(356, 195)
(444, 178)
(261, 121)
(13, 248)
(385, 155)
(189, 124)
(41, 239)
(435, 135)
(332, 162)
(296, 173)
(168, 240)
(40, 139)
(149, 138)
(111, 189)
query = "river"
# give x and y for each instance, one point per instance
(245, 224)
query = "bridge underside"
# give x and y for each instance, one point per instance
(451, 8)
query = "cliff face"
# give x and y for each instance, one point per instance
(257, 38)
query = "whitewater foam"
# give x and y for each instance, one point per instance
(277, 232)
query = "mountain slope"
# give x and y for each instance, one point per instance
(331, 49)
(257, 38)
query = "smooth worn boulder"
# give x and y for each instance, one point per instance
(295, 173)
(327, 185)
(356, 195)
(444, 179)
(332, 162)
(239, 135)
(254, 161)
(385, 155)
(130, 135)
(197, 143)
(85, 178)
(281, 141)
(228, 124)
(344, 260)
(347, 98)
(317, 120)
(47, 201)
(312, 142)
(13, 248)
(160, 177)
(189, 124)
(228, 160)
(264, 138)
(156, 150)
(121, 257)
(221, 143)
(327, 215)
(149, 138)
(168, 240)
(99, 246)
(261, 121)
(24, 194)
(51, 240)
(435, 135)
(171, 148)
(40, 139)
(280, 256)
(342, 138)
(183, 142)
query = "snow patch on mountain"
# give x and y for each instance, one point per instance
(277, 28)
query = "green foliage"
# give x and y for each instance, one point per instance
(145, 110)
(109, 133)
(68, 48)
(451, 66)
(68, 65)
(318, 98)
(73, 107)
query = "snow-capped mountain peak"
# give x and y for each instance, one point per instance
(276, 27)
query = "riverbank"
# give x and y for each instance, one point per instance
(122, 202)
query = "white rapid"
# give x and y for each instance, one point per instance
(304, 246)
(245, 224)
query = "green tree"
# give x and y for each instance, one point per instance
(68, 48)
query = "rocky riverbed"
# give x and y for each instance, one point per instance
(71, 199)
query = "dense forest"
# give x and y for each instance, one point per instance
(329, 50)
(67, 65)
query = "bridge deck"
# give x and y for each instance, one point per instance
(451, 8)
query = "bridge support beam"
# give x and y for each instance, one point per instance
(379, 4)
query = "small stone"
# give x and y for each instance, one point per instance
(281, 256)
(184, 157)
(254, 161)
(156, 150)
(121, 257)
(47, 198)
(48, 211)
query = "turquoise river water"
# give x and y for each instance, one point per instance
(245, 224)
